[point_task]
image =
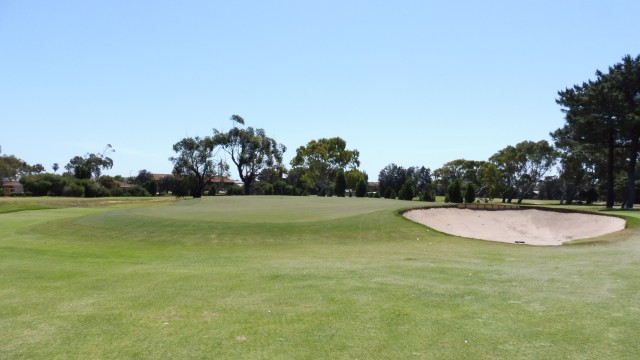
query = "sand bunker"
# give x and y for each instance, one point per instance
(533, 227)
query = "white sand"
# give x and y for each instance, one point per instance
(534, 227)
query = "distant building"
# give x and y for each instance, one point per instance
(12, 187)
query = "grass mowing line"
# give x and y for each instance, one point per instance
(115, 283)
(9, 208)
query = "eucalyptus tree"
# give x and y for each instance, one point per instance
(523, 166)
(321, 159)
(84, 167)
(194, 163)
(473, 172)
(251, 151)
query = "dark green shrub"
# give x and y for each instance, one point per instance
(428, 194)
(103, 192)
(454, 192)
(590, 196)
(406, 191)
(470, 194)
(90, 188)
(264, 189)
(340, 184)
(46, 184)
(135, 190)
(361, 189)
(212, 190)
(389, 193)
(151, 186)
(235, 190)
(179, 186)
(73, 190)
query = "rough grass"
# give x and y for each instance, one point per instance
(314, 278)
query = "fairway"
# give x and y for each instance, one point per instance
(250, 277)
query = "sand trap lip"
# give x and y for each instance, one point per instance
(531, 226)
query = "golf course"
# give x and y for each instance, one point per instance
(283, 277)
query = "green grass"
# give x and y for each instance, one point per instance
(302, 278)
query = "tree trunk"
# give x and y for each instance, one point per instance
(631, 173)
(610, 176)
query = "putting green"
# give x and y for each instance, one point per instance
(268, 209)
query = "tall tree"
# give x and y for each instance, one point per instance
(321, 159)
(422, 178)
(467, 171)
(391, 178)
(91, 164)
(194, 162)
(623, 81)
(251, 151)
(10, 167)
(606, 113)
(580, 166)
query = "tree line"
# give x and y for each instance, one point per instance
(594, 155)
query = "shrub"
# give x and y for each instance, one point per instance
(46, 184)
(264, 189)
(90, 188)
(406, 191)
(151, 186)
(470, 194)
(389, 193)
(235, 190)
(135, 190)
(103, 192)
(73, 190)
(590, 196)
(454, 192)
(340, 185)
(361, 188)
(428, 194)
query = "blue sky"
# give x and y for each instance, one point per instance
(416, 83)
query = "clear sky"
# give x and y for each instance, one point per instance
(416, 83)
